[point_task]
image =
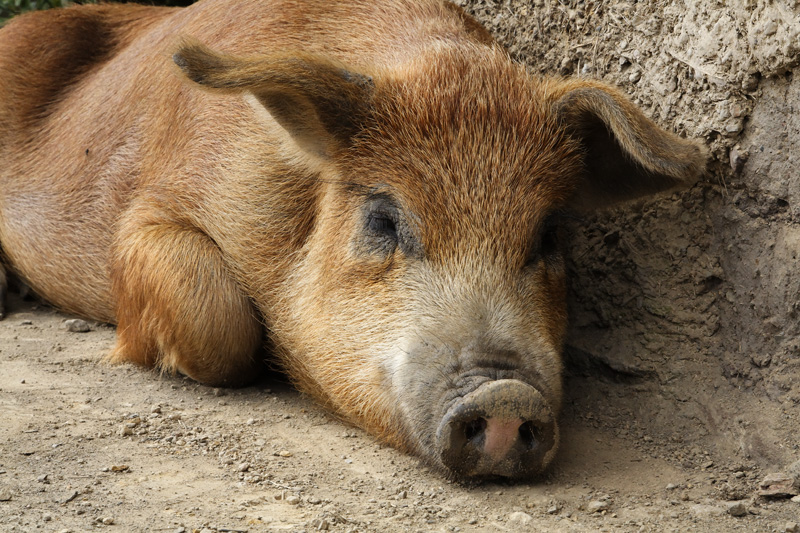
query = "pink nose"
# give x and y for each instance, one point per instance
(502, 428)
(499, 436)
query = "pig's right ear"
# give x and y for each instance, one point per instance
(319, 102)
(625, 154)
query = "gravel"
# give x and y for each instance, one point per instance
(77, 325)
(597, 506)
(737, 509)
(519, 519)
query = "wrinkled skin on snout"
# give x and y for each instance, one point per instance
(375, 187)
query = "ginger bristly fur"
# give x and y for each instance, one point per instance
(366, 185)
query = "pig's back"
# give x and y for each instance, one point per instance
(94, 116)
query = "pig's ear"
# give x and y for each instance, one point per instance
(625, 154)
(319, 102)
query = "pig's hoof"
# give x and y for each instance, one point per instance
(502, 428)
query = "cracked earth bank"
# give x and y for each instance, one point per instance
(683, 377)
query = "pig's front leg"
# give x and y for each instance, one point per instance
(178, 307)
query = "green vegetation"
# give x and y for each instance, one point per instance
(10, 8)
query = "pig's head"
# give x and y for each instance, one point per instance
(428, 302)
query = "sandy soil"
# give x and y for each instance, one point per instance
(87, 446)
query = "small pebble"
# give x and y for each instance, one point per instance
(796, 499)
(671, 486)
(733, 127)
(292, 500)
(314, 500)
(320, 524)
(737, 509)
(520, 519)
(791, 527)
(284, 453)
(553, 510)
(596, 506)
(108, 521)
(244, 467)
(777, 485)
(5, 495)
(750, 82)
(26, 323)
(77, 325)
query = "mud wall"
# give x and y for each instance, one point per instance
(684, 309)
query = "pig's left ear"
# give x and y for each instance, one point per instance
(318, 101)
(626, 155)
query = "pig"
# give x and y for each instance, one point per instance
(368, 193)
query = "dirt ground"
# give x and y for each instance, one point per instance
(683, 383)
(86, 446)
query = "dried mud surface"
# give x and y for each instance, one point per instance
(90, 447)
(683, 361)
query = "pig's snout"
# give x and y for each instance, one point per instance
(503, 428)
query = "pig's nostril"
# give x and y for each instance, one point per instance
(474, 428)
(530, 435)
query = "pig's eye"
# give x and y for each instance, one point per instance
(386, 229)
(548, 243)
(381, 233)
(381, 224)
(546, 247)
